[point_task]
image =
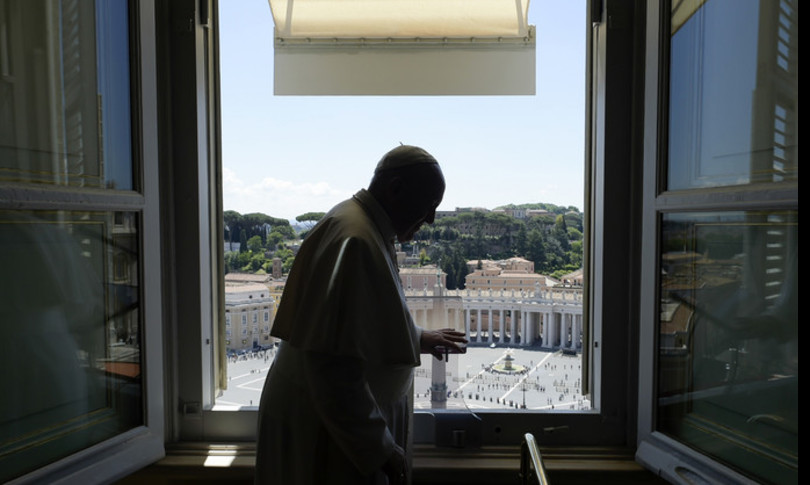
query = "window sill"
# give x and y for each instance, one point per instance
(204, 463)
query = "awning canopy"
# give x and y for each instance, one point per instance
(403, 47)
(400, 18)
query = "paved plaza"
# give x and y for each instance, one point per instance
(480, 379)
(538, 380)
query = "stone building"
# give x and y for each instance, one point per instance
(249, 313)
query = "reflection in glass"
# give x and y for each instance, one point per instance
(65, 115)
(69, 333)
(734, 102)
(728, 338)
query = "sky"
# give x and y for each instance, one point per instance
(288, 155)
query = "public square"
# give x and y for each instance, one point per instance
(537, 379)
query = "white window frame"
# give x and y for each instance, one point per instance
(127, 452)
(199, 419)
(665, 456)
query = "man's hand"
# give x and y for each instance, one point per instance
(396, 467)
(437, 341)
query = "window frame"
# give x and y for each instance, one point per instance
(127, 452)
(611, 354)
(663, 455)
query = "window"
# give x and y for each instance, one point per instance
(721, 325)
(181, 252)
(655, 189)
(80, 292)
(154, 228)
(498, 426)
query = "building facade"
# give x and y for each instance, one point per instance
(249, 314)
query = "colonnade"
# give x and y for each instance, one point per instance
(551, 319)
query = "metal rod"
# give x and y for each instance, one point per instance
(531, 463)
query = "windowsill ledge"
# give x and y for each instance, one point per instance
(196, 463)
(493, 465)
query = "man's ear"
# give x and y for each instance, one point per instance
(395, 187)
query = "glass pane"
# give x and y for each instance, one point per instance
(65, 93)
(734, 102)
(728, 370)
(69, 333)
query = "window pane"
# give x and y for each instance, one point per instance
(69, 333)
(728, 338)
(733, 113)
(65, 93)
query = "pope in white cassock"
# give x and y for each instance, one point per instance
(335, 408)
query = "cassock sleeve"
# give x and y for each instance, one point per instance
(348, 410)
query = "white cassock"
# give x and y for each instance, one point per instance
(337, 397)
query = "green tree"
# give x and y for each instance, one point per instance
(243, 241)
(233, 224)
(560, 233)
(575, 254)
(285, 230)
(536, 249)
(274, 238)
(243, 261)
(310, 218)
(423, 257)
(287, 257)
(554, 255)
(256, 262)
(454, 264)
(231, 262)
(521, 242)
(478, 233)
(255, 245)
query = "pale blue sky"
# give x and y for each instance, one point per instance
(286, 155)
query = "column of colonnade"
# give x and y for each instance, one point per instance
(501, 325)
(490, 325)
(555, 324)
(548, 331)
(524, 328)
(451, 317)
(571, 342)
(513, 327)
(562, 329)
(556, 329)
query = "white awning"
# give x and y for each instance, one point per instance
(389, 47)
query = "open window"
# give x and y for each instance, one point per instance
(80, 292)
(214, 411)
(720, 312)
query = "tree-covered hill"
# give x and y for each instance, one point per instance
(550, 236)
